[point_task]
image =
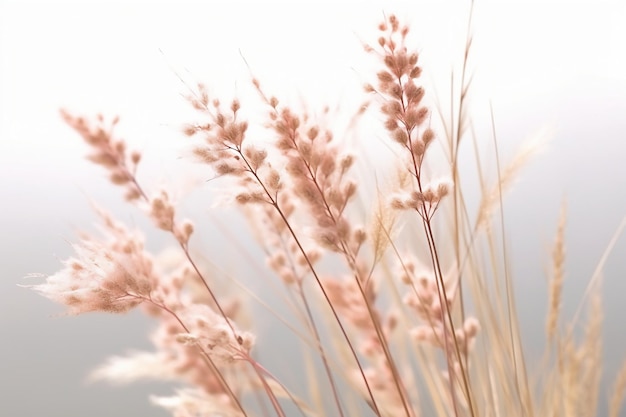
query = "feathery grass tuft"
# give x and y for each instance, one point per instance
(407, 310)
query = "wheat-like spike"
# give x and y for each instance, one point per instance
(558, 276)
(619, 392)
(491, 199)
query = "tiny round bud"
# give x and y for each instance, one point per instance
(243, 198)
(428, 136)
(346, 162)
(313, 132)
(135, 157)
(235, 106)
(360, 236)
(119, 178)
(188, 228)
(443, 189)
(400, 136)
(418, 148)
(397, 203)
(471, 327)
(415, 72)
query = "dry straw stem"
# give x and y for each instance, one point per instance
(597, 273)
(501, 341)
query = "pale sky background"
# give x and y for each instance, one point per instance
(555, 64)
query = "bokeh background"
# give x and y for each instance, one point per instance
(554, 65)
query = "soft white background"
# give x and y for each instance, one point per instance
(556, 64)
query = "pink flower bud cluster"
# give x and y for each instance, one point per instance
(425, 299)
(109, 152)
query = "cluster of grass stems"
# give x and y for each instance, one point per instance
(408, 310)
